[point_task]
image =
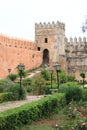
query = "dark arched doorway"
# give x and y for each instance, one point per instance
(46, 56)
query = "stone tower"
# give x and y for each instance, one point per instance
(50, 40)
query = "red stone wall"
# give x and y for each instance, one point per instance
(14, 51)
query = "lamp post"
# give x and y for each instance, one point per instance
(9, 70)
(82, 74)
(20, 69)
(51, 73)
(83, 77)
(57, 68)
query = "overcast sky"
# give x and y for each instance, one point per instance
(18, 17)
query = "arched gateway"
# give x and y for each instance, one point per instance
(45, 56)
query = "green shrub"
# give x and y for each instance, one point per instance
(73, 93)
(63, 77)
(48, 82)
(8, 86)
(12, 77)
(6, 97)
(27, 84)
(47, 89)
(28, 89)
(38, 86)
(82, 75)
(70, 78)
(18, 93)
(84, 94)
(5, 85)
(45, 73)
(64, 87)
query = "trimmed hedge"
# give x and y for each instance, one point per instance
(6, 97)
(14, 118)
(72, 92)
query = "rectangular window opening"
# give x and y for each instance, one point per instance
(46, 40)
(38, 48)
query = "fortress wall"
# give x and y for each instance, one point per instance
(15, 51)
(17, 43)
(62, 62)
(74, 45)
(76, 55)
(76, 40)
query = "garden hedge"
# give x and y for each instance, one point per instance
(6, 97)
(14, 118)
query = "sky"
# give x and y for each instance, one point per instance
(18, 17)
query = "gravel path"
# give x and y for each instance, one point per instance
(10, 105)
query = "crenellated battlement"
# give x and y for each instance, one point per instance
(50, 25)
(76, 40)
(16, 42)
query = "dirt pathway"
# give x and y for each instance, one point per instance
(10, 105)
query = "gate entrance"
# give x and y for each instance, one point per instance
(46, 56)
